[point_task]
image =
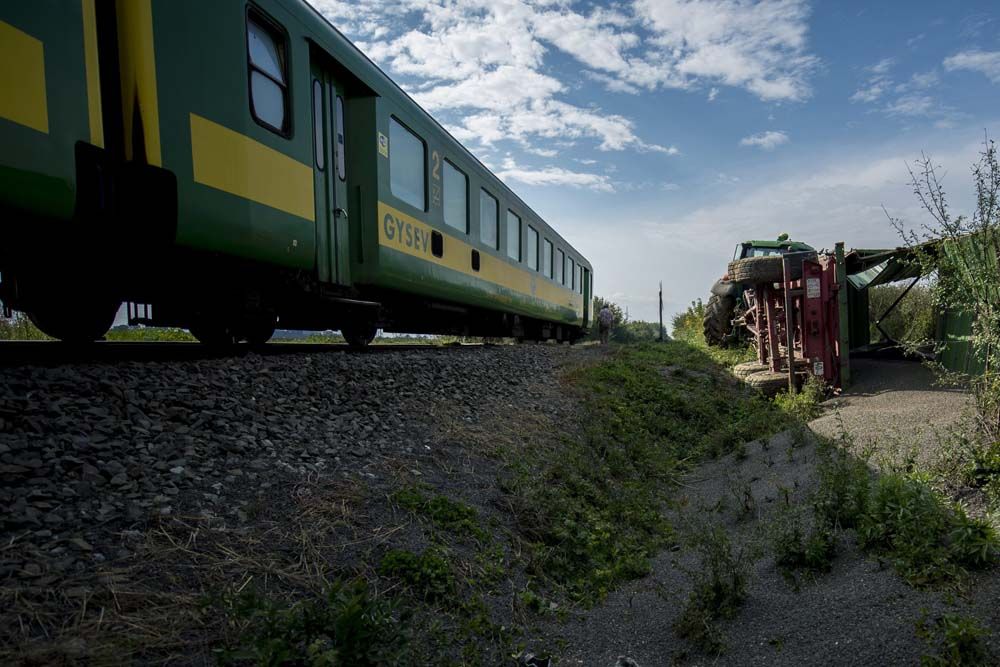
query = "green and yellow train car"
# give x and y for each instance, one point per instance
(230, 167)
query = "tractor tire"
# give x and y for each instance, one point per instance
(741, 371)
(718, 321)
(768, 383)
(764, 269)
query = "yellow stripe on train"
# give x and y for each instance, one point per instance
(402, 232)
(234, 163)
(22, 79)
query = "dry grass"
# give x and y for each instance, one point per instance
(153, 608)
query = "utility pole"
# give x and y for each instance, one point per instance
(661, 311)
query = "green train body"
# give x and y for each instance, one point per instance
(227, 166)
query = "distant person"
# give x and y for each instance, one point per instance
(605, 318)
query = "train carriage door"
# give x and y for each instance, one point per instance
(587, 296)
(330, 170)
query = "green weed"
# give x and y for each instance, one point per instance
(345, 627)
(591, 507)
(955, 641)
(443, 512)
(720, 586)
(928, 540)
(797, 547)
(804, 405)
(429, 574)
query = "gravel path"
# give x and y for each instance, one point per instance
(896, 405)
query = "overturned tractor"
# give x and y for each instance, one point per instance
(726, 304)
(787, 302)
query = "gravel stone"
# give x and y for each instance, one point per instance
(92, 454)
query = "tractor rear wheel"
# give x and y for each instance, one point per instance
(718, 320)
(768, 383)
(765, 269)
(748, 367)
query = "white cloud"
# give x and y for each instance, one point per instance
(482, 63)
(878, 82)
(712, 94)
(758, 46)
(911, 105)
(908, 99)
(883, 66)
(871, 93)
(985, 62)
(767, 141)
(510, 171)
(543, 152)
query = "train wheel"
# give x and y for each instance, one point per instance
(260, 329)
(74, 320)
(213, 333)
(359, 336)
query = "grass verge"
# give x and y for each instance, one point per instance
(590, 507)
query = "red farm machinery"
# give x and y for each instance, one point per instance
(791, 312)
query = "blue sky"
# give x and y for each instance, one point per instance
(657, 134)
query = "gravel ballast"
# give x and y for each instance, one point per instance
(90, 454)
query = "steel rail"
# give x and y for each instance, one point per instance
(55, 353)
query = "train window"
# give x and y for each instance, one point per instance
(318, 142)
(560, 266)
(456, 198)
(547, 258)
(579, 279)
(489, 219)
(407, 165)
(341, 166)
(532, 248)
(570, 272)
(513, 236)
(268, 80)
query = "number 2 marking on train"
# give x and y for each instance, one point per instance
(436, 169)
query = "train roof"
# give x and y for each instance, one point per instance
(362, 67)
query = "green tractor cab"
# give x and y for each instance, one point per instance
(726, 301)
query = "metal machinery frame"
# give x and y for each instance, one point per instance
(795, 324)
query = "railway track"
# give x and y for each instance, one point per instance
(52, 353)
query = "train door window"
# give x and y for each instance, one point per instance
(456, 198)
(318, 125)
(407, 165)
(489, 219)
(532, 248)
(513, 236)
(341, 158)
(267, 66)
(560, 267)
(570, 273)
(547, 258)
(579, 279)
